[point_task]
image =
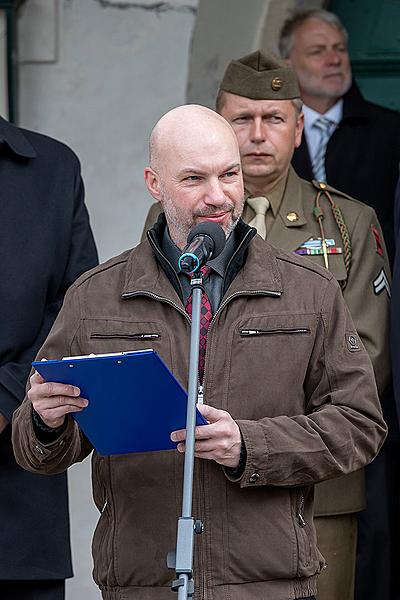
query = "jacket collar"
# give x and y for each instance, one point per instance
(274, 196)
(290, 230)
(254, 267)
(14, 138)
(354, 105)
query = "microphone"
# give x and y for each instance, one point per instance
(206, 240)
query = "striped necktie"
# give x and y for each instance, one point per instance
(205, 320)
(260, 205)
(325, 127)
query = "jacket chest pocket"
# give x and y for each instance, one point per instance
(276, 331)
(102, 337)
(119, 335)
(268, 362)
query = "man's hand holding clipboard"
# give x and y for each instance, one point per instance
(123, 402)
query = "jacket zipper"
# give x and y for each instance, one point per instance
(200, 394)
(300, 512)
(104, 509)
(203, 595)
(128, 295)
(111, 505)
(222, 306)
(127, 336)
(277, 331)
(303, 524)
(244, 293)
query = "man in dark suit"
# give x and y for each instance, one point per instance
(353, 145)
(395, 320)
(45, 244)
(362, 139)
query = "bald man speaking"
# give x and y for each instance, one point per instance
(289, 392)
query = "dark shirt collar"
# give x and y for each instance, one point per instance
(218, 264)
(13, 137)
(243, 237)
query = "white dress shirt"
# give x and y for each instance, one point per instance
(312, 134)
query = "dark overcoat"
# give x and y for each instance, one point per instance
(362, 157)
(395, 324)
(45, 244)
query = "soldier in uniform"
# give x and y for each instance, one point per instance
(259, 97)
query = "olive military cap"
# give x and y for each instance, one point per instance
(260, 76)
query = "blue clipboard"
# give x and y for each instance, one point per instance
(134, 400)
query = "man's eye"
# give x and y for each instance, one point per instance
(241, 120)
(230, 174)
(192, 178)
(275, 119)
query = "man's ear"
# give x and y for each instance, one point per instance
(152, 182)
(299, 129)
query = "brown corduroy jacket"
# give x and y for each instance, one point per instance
(284, 359)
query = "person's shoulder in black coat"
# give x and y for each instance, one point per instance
(45, 242)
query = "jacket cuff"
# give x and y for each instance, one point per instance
(235, 474)
(44, 433)
(255, 469)
(36, 453)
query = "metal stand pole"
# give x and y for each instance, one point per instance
(182, 559)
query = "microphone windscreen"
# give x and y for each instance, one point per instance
(213, 231)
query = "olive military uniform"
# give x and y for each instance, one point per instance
(365, 283)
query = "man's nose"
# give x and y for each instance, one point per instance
(257, 132)
(215, 192)
(333, 57)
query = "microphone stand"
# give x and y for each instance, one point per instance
(182, 558)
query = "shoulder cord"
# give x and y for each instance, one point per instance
(340, 222)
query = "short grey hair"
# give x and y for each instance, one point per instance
(297, 105)
(220, 101)
(297, 19)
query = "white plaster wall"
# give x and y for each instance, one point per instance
(224, 30)
(229, 29)
(97, 74)
(115, 69)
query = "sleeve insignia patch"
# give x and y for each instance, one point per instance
(381, 283)
(353, 343)
(377, 238)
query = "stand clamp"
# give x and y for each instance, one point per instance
(181, 560)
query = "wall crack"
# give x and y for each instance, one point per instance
(157, 7)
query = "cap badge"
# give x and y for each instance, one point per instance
(276, 84)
